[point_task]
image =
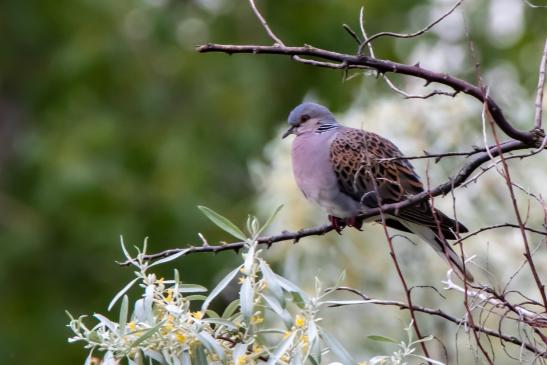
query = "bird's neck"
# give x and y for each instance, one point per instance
(328, 126)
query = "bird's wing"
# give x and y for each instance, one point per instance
(365, 163)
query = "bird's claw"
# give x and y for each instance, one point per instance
(340, 223)
(337, 223)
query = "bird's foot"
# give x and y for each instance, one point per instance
(337, 223)
(355, 222)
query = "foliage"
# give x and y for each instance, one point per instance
(272, 321)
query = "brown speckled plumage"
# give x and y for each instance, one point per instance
(363, 163)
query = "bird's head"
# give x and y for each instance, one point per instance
(308, 117)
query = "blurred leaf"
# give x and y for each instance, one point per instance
(281, 349)
(220, 287)
(223, 223)
(269, 220)
(379, 338)
(246, 298)
(337, 348)
(122, 292)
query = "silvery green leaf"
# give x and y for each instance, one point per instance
(312, 332)
(281, 349)
(249, 260)
(220, 287)
(109, 359)
(105, 321)
(230, 309)
(296, 358)
(191, 288)
(146, 335)
(340, 279)
(280, 311)
(139, 313)
(212, 314)
(198, 356)
(273, 284)
(239, 350)
(223, 223)
(121, 292)
(221, 322)
(196, 297)
(89, 358)
(269, 220)
(124, 309)
(270, 330)
(185, 358)
(170, 258)
(211, 344)
(246, 298)
(336, 347)
(427, 359)
(126, 253)
(379, 338)
(291, 287)
(154, 355)
(298, 300)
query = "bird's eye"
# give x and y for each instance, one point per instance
(304, 118)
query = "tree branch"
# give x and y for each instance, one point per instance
(382, 66)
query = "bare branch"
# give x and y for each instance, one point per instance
(383, 66)
(541, 87)
(410, 35)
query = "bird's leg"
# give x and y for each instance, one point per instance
(337, 223)
(355, 222)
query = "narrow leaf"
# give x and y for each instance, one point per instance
(230, 309)
(281, 349)
(246, 298)
(379, 338)
(211, 344)
(149, 333)
(336, 347)
(272, 283)
(269, 220)
(220, 287)
(121, 292)
(124, 309)
(223, 223)
(169, 258)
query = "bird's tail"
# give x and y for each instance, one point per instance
(441, 246)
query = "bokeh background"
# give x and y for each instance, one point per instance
(111, 124)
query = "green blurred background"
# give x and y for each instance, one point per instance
(111, 124)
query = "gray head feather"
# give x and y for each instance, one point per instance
(307, 111)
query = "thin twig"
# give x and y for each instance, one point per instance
(408, 35)
(354, 61)
(540, 87)
(442, 314)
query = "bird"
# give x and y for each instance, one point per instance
(346, 171)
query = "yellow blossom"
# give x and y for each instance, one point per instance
(257, 319)
(241, 279)
(197, 315)
(180, 337)
(257, 349)
(300, 321)
(286, 334)
(160, 281)
(132, 326)
(241, 360)
(169, 297)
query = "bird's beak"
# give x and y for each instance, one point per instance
(288, 132)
